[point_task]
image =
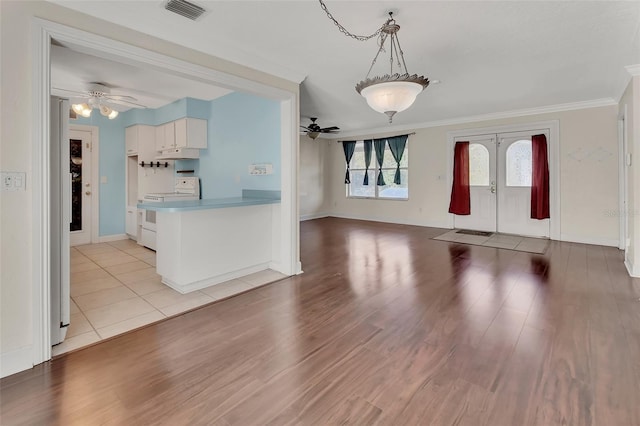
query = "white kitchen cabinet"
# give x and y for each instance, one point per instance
(143, 138)
(131, 140)
(132, 222)
(165, 136)
(191, 133)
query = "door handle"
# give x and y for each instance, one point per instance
(492, 187)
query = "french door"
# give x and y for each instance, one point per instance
(500, 171)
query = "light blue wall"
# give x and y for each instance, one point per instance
(242, 130)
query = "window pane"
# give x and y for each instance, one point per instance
(389, 161)
(357, 161)
(357, 189)
(75, 168)
(391, 190)
(519, 163)
(478, 165)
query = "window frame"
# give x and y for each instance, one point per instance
(374, 179)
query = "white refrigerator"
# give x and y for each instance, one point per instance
(60, 262)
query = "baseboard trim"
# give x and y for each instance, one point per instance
(598, 241)
(15, 361)
(313, 216)
(428, 224)
(631, 270)
(199, 285)
(114, 237)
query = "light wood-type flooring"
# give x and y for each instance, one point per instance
(386, 326)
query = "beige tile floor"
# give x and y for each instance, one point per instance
(115, 289)
(505, 241)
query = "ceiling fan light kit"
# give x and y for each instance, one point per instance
(314, 129)
(393, 92)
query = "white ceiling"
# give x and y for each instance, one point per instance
(75, 71)
(490, 56)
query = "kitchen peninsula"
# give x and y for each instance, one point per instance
(206, 242)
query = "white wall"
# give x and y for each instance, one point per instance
(588, 174)
(631, 98)
(17, 234)
(313, 177)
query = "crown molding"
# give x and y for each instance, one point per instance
(634, 70)
(595, 103)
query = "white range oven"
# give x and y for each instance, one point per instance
(186, 188)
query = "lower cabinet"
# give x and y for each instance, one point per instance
(132, 222)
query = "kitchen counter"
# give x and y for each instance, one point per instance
(206, 242)
(249, 198)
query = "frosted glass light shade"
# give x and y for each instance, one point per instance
(82, 109)
(113, 114)
(391, 97)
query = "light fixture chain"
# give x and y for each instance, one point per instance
(344, 31)
(383, 37)
(401, 54)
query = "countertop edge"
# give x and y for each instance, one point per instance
(206, 204)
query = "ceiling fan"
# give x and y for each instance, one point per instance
(99, 96)
(314, 129)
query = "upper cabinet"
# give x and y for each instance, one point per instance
(140, 140)
(131, 140)
(191, 133)
(165, 136)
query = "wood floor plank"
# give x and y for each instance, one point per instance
(386, 326)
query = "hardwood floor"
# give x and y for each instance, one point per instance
(386, 326)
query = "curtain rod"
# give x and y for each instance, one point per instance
(408, 134)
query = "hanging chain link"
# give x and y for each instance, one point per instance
(344, 31)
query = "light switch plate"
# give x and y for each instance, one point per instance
(13, 181)
(261, 169)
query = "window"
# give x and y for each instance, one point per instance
(357, 189)
(519, 163)
(478, 165)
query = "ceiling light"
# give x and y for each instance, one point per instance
(82, 109)
(313, 135)
(113, 114)
(393, 92)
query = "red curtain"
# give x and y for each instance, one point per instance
(460, 197)
(539, 178)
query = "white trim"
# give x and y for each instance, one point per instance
(95, 177)
(43, 32)
(208, 282)
(313, 216)
(554, 162)
(622, 179)
(15, 361)
(428, 224)
(111, 238)
(631, 270)
(41, 210)
(598, 241)
(633, 70)
(596, 103)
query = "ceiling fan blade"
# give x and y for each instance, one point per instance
(307, 129)
(329, 129)
(125, 103)
(125, 98)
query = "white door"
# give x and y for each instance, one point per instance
(500, 168)
(482, 182)
(81, 187)
(514, 185)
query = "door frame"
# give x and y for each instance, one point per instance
(43, 32)
(95, 177)
(554, 162)
(623, 179)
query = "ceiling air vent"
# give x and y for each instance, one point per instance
(184, 8)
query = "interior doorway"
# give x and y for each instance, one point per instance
(500, 181)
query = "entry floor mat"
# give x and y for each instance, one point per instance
(472, 232)
(503, 241)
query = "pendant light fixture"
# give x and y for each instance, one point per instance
(85, 109)
(392, 92)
